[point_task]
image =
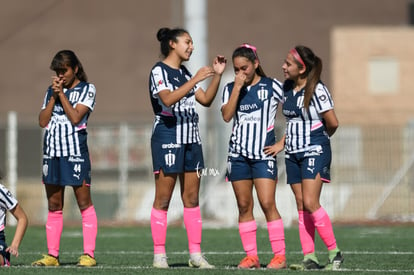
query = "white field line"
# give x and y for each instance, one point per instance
(226, 252)
(103, 266)
(140, 267)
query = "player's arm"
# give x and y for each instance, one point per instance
(169, 98)
(330, 121)
(46, 113)
(21, 227)
(207, 97)
(76, 114)
(229, 109)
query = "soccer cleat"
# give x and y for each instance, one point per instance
(335, 263)
(47, 260)
(197, 260)
(310, 264)
(248, 262)
(86, 261)
(160, 261)
(307, 264)
(278, 262)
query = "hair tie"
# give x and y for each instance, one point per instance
(296, 55)
(253, 48)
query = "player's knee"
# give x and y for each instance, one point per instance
(190, 199)
(190, 203)
(311, 205)
(161, 204)
(245, 208)
(268, 206)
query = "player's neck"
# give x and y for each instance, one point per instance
(300, 83)
(172, 62)
(73, 84)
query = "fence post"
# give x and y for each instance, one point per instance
(123, 170)
(12, 155)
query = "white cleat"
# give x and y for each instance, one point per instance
(197, 260)
(160, 261)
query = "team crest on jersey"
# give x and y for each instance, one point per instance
(271, 164)
(169, 159)
(262, 94)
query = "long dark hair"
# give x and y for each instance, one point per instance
(68, 58)
(165, 35)
(313, 65)
(249, 51)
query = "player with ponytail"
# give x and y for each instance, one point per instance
(311, 121)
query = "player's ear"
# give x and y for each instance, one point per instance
(256, 64)
(172, 44)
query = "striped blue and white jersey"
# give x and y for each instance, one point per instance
(182, 113)
(7, 202)
(254, 119)
(305, 129)
(61, 138)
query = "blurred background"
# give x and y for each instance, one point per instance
(368, 57)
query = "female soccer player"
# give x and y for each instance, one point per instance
(66, 108)
(175, 142)
(9, 203)
(251, 101)
(311, 121)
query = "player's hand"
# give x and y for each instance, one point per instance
(204, 73)
(273, 150)
(57, 84)
(219, 64)
(13, 250)
(239, 80)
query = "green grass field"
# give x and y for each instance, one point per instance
(128, 250)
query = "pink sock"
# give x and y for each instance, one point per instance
(277, 236)
(90, 230)
(54, 227)
(324, 226)
(306, 232)
(247, 232)
(193, 224)
(159, 230)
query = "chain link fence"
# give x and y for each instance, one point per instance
(372, 176)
